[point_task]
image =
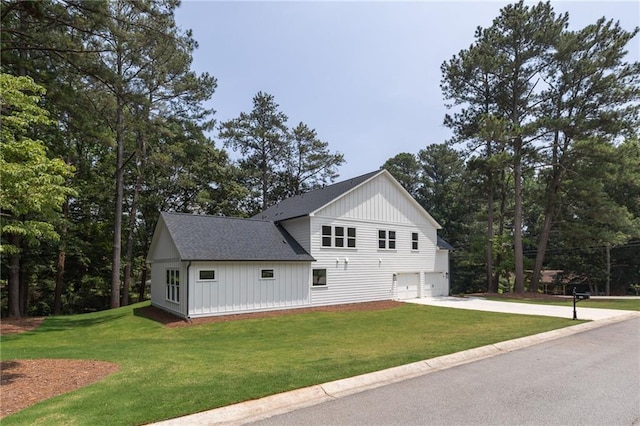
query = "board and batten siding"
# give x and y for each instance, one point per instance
(238, 287)
(163, 256)
(159, 286)
(366, 273)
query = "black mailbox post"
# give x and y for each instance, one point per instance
(576, 298)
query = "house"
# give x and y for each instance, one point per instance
(363, 239)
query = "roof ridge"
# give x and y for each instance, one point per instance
(215, 216)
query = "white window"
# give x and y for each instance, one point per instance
(207, 275)
(414, 241)
(386, 239)
(351, 237)
(339, 232)
(173, 285)
(336, 236)
(326, 236)
(267, 274)
(319, 277)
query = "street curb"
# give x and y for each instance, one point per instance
(263, 408)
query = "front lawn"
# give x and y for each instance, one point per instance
(170, 372)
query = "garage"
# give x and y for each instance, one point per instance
(407, 285)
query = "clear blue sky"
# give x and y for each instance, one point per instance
(365, 75)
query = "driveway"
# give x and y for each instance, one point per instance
(480, 304)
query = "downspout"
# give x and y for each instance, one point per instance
(187, 292)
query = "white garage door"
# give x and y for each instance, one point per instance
(408, 286)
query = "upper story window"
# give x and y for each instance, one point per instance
(414, 241)
(338, 236)
(386, 239)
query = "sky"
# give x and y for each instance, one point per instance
(365, 75)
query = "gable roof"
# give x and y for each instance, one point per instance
(307, 203)
(202, 237)
(312, 201)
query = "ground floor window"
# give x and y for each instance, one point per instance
(207, 275)
(267, 274)
(319, 277)
(173, 285)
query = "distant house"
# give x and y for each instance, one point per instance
(363, 239)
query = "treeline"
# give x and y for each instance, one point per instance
(545, 173)
(104, 124)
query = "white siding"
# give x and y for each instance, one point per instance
(366, 273)
(298, 228)
(159, 287)
(379, 200)
(238, 287)
(164, 255)
(163, 248)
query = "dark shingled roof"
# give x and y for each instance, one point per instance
(442, 244)
(302, 205)
(201, 237)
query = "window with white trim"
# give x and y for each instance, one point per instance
(173, 285)
(414, 241)
(267, 274)
(319, 277)
(336, 236)
(206, 275)
(386, 239)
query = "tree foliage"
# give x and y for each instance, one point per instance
(33, 185)
(277, 161)
(526, 93)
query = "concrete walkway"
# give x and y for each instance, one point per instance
(251, 411)
(480, 304)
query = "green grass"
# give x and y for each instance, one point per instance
(170, 372)
(623, 304)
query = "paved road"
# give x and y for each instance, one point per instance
(590, 378)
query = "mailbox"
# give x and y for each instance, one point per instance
(576, 298)
(582, 296)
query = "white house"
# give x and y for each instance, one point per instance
(363, 239)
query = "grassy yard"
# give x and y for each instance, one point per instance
(623, 304)
(169, 372)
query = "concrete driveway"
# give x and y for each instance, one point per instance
(481, 304)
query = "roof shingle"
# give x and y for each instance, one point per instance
(304, 204)
(202, 237)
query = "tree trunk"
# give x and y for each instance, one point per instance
(491, 283)
(24, 286)
(117, 223)
(517, 217)
(57, 296)
(551, 200)
(607, 289)
(142, 285)
(14, 279)
(129, 254)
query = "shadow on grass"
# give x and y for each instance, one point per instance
(63, 323)
(158, 315)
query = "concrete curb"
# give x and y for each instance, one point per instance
(263, 408)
